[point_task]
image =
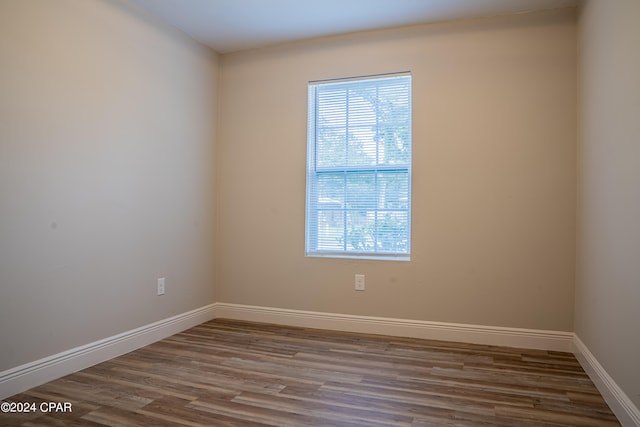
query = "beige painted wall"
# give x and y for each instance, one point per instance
(608, 273)
(494, 134)
(107, 132)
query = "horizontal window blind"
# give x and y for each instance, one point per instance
(359, 168)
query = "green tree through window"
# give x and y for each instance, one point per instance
(359, 168)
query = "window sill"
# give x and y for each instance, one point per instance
(361, 256)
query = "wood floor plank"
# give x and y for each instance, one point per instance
(234, 373)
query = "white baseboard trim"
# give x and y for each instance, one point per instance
(477, 334)
(628, 414)
(29, 375)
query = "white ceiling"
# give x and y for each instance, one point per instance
(232, 25)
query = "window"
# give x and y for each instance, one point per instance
(359, 168)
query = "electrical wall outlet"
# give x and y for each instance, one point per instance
(161, 286)
(359, 282)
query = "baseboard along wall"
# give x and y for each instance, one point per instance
(29, 375)
(628, 414)
(476, 334)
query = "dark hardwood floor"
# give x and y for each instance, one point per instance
(231, 373)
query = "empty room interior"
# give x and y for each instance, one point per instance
(153, 181)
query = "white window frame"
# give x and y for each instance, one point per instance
(314, 170)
